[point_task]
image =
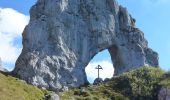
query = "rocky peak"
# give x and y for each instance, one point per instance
(64, 35)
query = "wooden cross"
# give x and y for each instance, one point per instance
(99, 67)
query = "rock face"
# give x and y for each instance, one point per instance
(164, 94)
(64, 35)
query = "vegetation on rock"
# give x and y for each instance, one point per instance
(140, 84)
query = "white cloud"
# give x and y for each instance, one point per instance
(12, 24)
(92, 73)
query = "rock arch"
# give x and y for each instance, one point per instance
(63, 36)
(103, 59)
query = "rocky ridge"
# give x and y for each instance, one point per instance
(64, 35)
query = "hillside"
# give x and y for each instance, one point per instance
(140, 84)
(14, 89)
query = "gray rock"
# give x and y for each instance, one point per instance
(164, 94)
(64, 35)
(52, 96)
(98, 81)
(106, 80)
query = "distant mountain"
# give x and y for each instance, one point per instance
(1, 67)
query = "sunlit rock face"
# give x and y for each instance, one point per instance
(64, 35)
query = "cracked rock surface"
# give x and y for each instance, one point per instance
(64, 35)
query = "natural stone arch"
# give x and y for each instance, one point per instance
(64, 35)
(103, 59)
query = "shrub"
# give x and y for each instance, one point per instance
(139, 84)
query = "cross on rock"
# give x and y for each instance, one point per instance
(99, 67)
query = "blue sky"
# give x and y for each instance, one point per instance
(152, 17)
(22, 6)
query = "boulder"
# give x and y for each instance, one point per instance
(98, 81)
(164, 94)
(64, 35)
(106, 80)
(52, 96)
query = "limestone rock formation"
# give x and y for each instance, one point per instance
(64, 35)
(164, 94)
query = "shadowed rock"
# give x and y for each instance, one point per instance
(98, 81)
(164, 94)
(64, 35)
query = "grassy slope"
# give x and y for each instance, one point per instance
(14, 89)
(140, 84)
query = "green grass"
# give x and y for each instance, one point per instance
(140, 84)
(165, 82)
(13, 89)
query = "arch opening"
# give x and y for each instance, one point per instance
(102, 58)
